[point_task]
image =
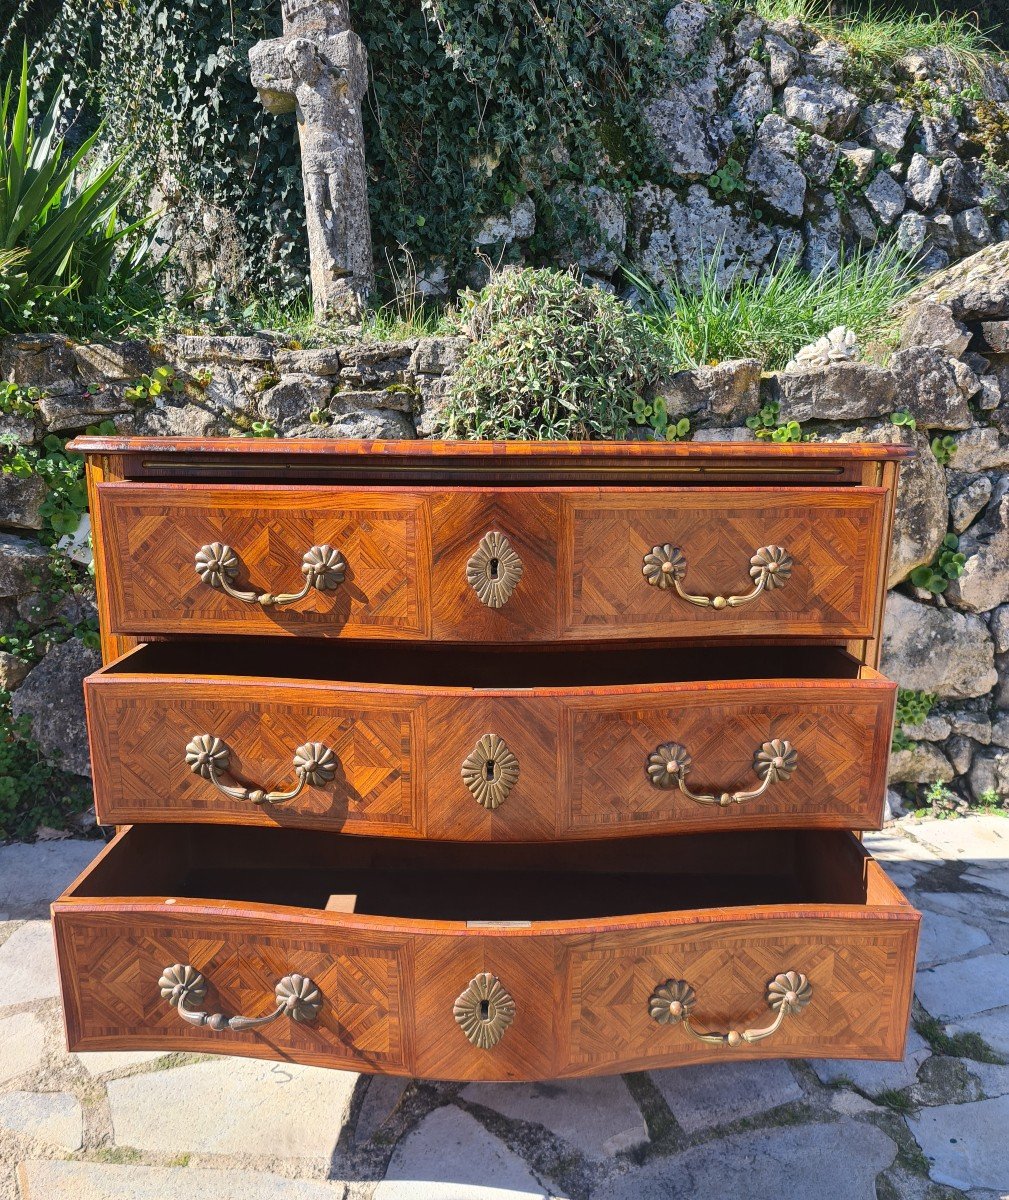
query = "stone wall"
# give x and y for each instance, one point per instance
(949, 372)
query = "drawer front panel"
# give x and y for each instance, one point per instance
(502, 565)
(152, 533)
(408, 763)
(832, 539)
(391, 998)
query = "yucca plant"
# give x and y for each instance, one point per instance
(59, 222)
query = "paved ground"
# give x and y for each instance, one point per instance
(150, 1127)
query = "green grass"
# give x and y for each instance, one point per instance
(772, 315)
(959, 1045)
(886, 34)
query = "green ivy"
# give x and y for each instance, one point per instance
(162, 381)
(767, 427)
(948, 564)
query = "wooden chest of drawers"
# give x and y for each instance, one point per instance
(489, 761)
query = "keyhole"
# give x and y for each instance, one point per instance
(492, 568)
(484, 1010)
(490, 770)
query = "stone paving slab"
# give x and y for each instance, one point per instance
(383, 1094)
(101, 1062)
(992, 1026)
(33, 876)
(233, 1106)
(22, 1042)
(54, 1117)
(962, 989)
(943, 938)
(989, 877)
(706, 1096)
(966, 1144)
(981, 839)
(893, 846)
(598, 1115)
(99, 1181)
(839, 1160)
(875, 1077)
(450, 1156)
(28, 965)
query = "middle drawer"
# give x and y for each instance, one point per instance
(484, 745)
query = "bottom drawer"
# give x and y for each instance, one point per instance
(486, 962)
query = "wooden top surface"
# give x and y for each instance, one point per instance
(492, 453)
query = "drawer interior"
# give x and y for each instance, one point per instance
(483, 667)
(457, 883)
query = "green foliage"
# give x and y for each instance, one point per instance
(943, 448)
(51, 624)
(553, 358)
(948, 564)
(262, 429)
(33, 790)
(960, 1045)
(767, 427)
(912, 708)
(66, 249)
(16, 401)
(772, 315)
(728, 179)
(162, 381)
(903, 417)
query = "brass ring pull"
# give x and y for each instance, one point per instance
(209, 757)
(297, 997)
(770, 568)
(669, 765)
(673, 1003)
(323, 567)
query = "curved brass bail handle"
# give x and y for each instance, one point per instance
(673, 1003)
(296, 996)
(665, 566)
(323, 567)
(669, 764)
(208, 757)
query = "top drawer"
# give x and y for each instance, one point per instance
(491, 564)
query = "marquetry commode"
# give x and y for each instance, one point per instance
(489, 761)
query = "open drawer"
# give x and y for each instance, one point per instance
(487, 745)
(491, 565)
(413, 959)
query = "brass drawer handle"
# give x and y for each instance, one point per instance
(209, 757)
(323, 567)
(673, 1002)
(770, 568)
(296, 995)
(669, 765)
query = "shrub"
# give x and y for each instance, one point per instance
(553, 358)
(63, 247)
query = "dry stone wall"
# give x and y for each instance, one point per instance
(950, 372)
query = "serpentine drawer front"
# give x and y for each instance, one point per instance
(499, 564)
(490, 745)
(433, 964)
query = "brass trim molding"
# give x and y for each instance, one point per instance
(494, 570)
(673, 1003)
(669, 765)
(323, 567)
(665, 566)
(484, 1010)
(296, 997)
(209, 757)
(490, 771)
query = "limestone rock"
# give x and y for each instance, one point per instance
(21, 501)
(862, 160)
(828, 58)
(980, 449)
(821, 106)
(752, 99)
(999, 623)
(435, 394)
(964, 507)
(516, 226)
(178, 420)
(22, 564)
(921, 762)
(12, 671)
(932, 729)
(290, 401)
(373, 365)
(842, 391)
(324, 360)
(976, 289)
(887, 126)
(972, 230)
(730, 390)
(52, 697)
(989, 772)
(782, 59)
(98, 362)
(36, 360)
(984, 584)
(960, 752)
(608, 211)
(929, 386)
(71, 410)
(823, 239)
(778, 181)
(931, 324)
(923, 183)
(201, 349)
(381, 425)
(929, 649)
(438, 355)
(912, 233)
(973, 725)
(885, 197)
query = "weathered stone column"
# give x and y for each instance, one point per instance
(319, 70)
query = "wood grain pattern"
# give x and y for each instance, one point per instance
(389, 983)
(407, 552)
(582, 750)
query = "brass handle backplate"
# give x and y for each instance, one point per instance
(669, 765)
(673, 1003)
(665, 566)
(209, 757)
(296, 996)
(323, 568)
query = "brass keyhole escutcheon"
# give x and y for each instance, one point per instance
(494, 570)
(490, 771)
(484, 1010)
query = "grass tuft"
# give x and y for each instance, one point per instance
(772, 315)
